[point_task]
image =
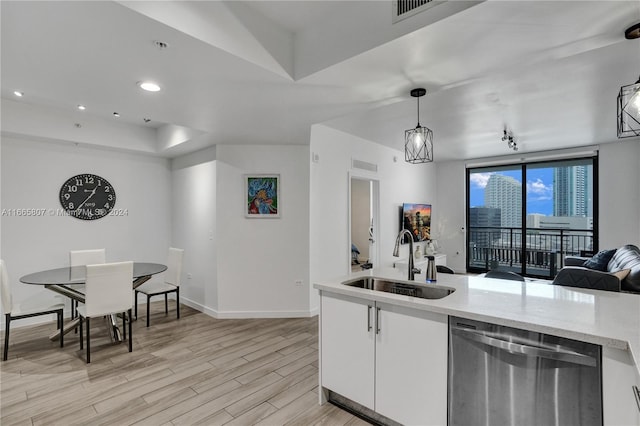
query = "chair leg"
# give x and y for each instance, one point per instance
(166, 303)
(88, 342)
(7, 322)
(148, 303)
(130, 333)
(178, 302)
(74, 311)
(124, 325)
(81, 338)
(61, 326)
(136, 300)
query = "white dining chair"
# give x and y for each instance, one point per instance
(87, 257)
(169, 282)
(28, 309)
(107, 292)
(83, 258)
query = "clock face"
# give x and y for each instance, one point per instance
(87, 196)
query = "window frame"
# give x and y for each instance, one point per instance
(523, 166)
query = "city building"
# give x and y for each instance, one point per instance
(573, 191)
(481, 218)
(505, 193)
(540, 221)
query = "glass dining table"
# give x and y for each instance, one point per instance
(69, 281)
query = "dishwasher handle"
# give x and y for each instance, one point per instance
(528, 350)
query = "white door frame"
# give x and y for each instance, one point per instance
(374, 251)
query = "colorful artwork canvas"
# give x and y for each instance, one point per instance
(417, 219)
(262, 196)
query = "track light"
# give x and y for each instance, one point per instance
(508, 137)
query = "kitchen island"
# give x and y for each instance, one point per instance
(611, 320)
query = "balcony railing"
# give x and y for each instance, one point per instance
(541, 250)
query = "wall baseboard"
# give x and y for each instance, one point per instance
(247, 314)
(198, 307)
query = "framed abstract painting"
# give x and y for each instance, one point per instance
(262, 196)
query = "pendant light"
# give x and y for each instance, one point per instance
(418, 142)
(629, 98)
(629, 110)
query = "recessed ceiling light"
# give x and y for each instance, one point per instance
(160, 44)
(18, 93)
(149, 86)
(115, 114)
(632, 32)
(81, 107)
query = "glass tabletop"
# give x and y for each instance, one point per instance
(77, 274)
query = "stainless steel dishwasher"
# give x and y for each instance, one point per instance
(502, 376)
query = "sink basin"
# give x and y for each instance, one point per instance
(404, 288)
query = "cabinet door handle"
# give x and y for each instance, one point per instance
(369, 317)
(377, 320)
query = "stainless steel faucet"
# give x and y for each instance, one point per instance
(396, 252)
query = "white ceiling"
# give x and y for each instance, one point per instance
(263, 72)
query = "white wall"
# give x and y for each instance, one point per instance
(259, 260)
(193, 227)
(32, 173)
(399, 182)
(449, 214)
(619, 193)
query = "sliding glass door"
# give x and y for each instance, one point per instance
(526, 217)
(494, 217)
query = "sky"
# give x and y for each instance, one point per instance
(539, 189)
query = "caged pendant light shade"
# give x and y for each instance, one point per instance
(629, 110)
(418, 142)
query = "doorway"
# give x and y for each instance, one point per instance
(363, 223)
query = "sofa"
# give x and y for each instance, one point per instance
(611, 270)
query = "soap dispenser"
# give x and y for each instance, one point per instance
(430, 248)
(431, 269)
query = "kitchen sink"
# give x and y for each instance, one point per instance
(407, 289)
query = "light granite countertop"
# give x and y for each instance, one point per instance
(605, 318)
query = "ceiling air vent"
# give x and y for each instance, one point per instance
(404, 8)
(363, 165)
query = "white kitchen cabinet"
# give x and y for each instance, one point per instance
(411, 365)
(348, 347)
(388, 358)
(619, 375)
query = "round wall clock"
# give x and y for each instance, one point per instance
(87, 196)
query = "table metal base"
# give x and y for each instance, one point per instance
(116, 335)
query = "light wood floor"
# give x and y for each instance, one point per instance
(196, 370)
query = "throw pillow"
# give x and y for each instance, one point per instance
(600, 261)
(622, 274)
